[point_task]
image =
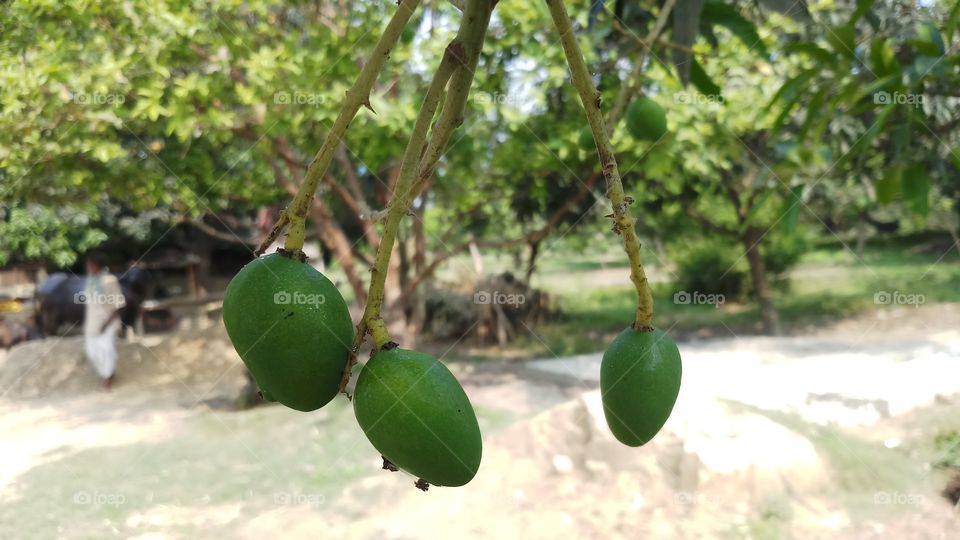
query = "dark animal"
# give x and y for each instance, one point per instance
(57, 304)
(59, 308)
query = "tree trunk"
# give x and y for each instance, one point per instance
(532, 261)
(416, 304)
(758, 275)
(336, 241)
(477, 259)
(861, 235)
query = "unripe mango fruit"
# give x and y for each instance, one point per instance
(415, 413)
(292, 329)
(639, 383)
(646, 120)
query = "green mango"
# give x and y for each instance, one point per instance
(416, 414)
(407, 35)
(646, 120)
(292, 329)
(639, 383)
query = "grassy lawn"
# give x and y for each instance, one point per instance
(830, 283)
(209, 466)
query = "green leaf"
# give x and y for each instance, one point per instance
(916, 189)
(863, 6)
(814, 51)
(953, 20)
(720, 13)
(869, 135)
(814, 110)
(882, 59)
(843, 40)
(889, 185)
(791, 209)
(701, 81)
(789, 93)
(872, 91)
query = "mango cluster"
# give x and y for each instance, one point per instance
(293, 331)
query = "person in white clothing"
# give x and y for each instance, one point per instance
(103, 299)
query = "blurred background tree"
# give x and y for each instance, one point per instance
(786, 121)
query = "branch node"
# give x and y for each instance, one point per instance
(458, 52)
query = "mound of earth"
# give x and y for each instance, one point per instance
(197, 362)
(538, 475)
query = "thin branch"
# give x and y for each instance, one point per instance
(461, 55)
(623, 222)
(214, 233)
(709, 225)
(532, 236)
(294, 215)
(352, 180)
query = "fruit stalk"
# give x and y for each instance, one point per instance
(293, 217)
(623, 222)
(421, 156)
(400, 202)
(451, 116)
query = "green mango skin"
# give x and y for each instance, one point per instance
(415, 413)
(295, 350)
(646, 120)
(639, 383)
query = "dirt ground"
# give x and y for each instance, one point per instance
(163, 456)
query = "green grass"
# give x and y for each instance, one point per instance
(262, 459)
(829, 284)
(862, 470)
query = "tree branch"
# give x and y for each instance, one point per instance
(294, 215)
(532, 236)
(460, 56)
(623, 222)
